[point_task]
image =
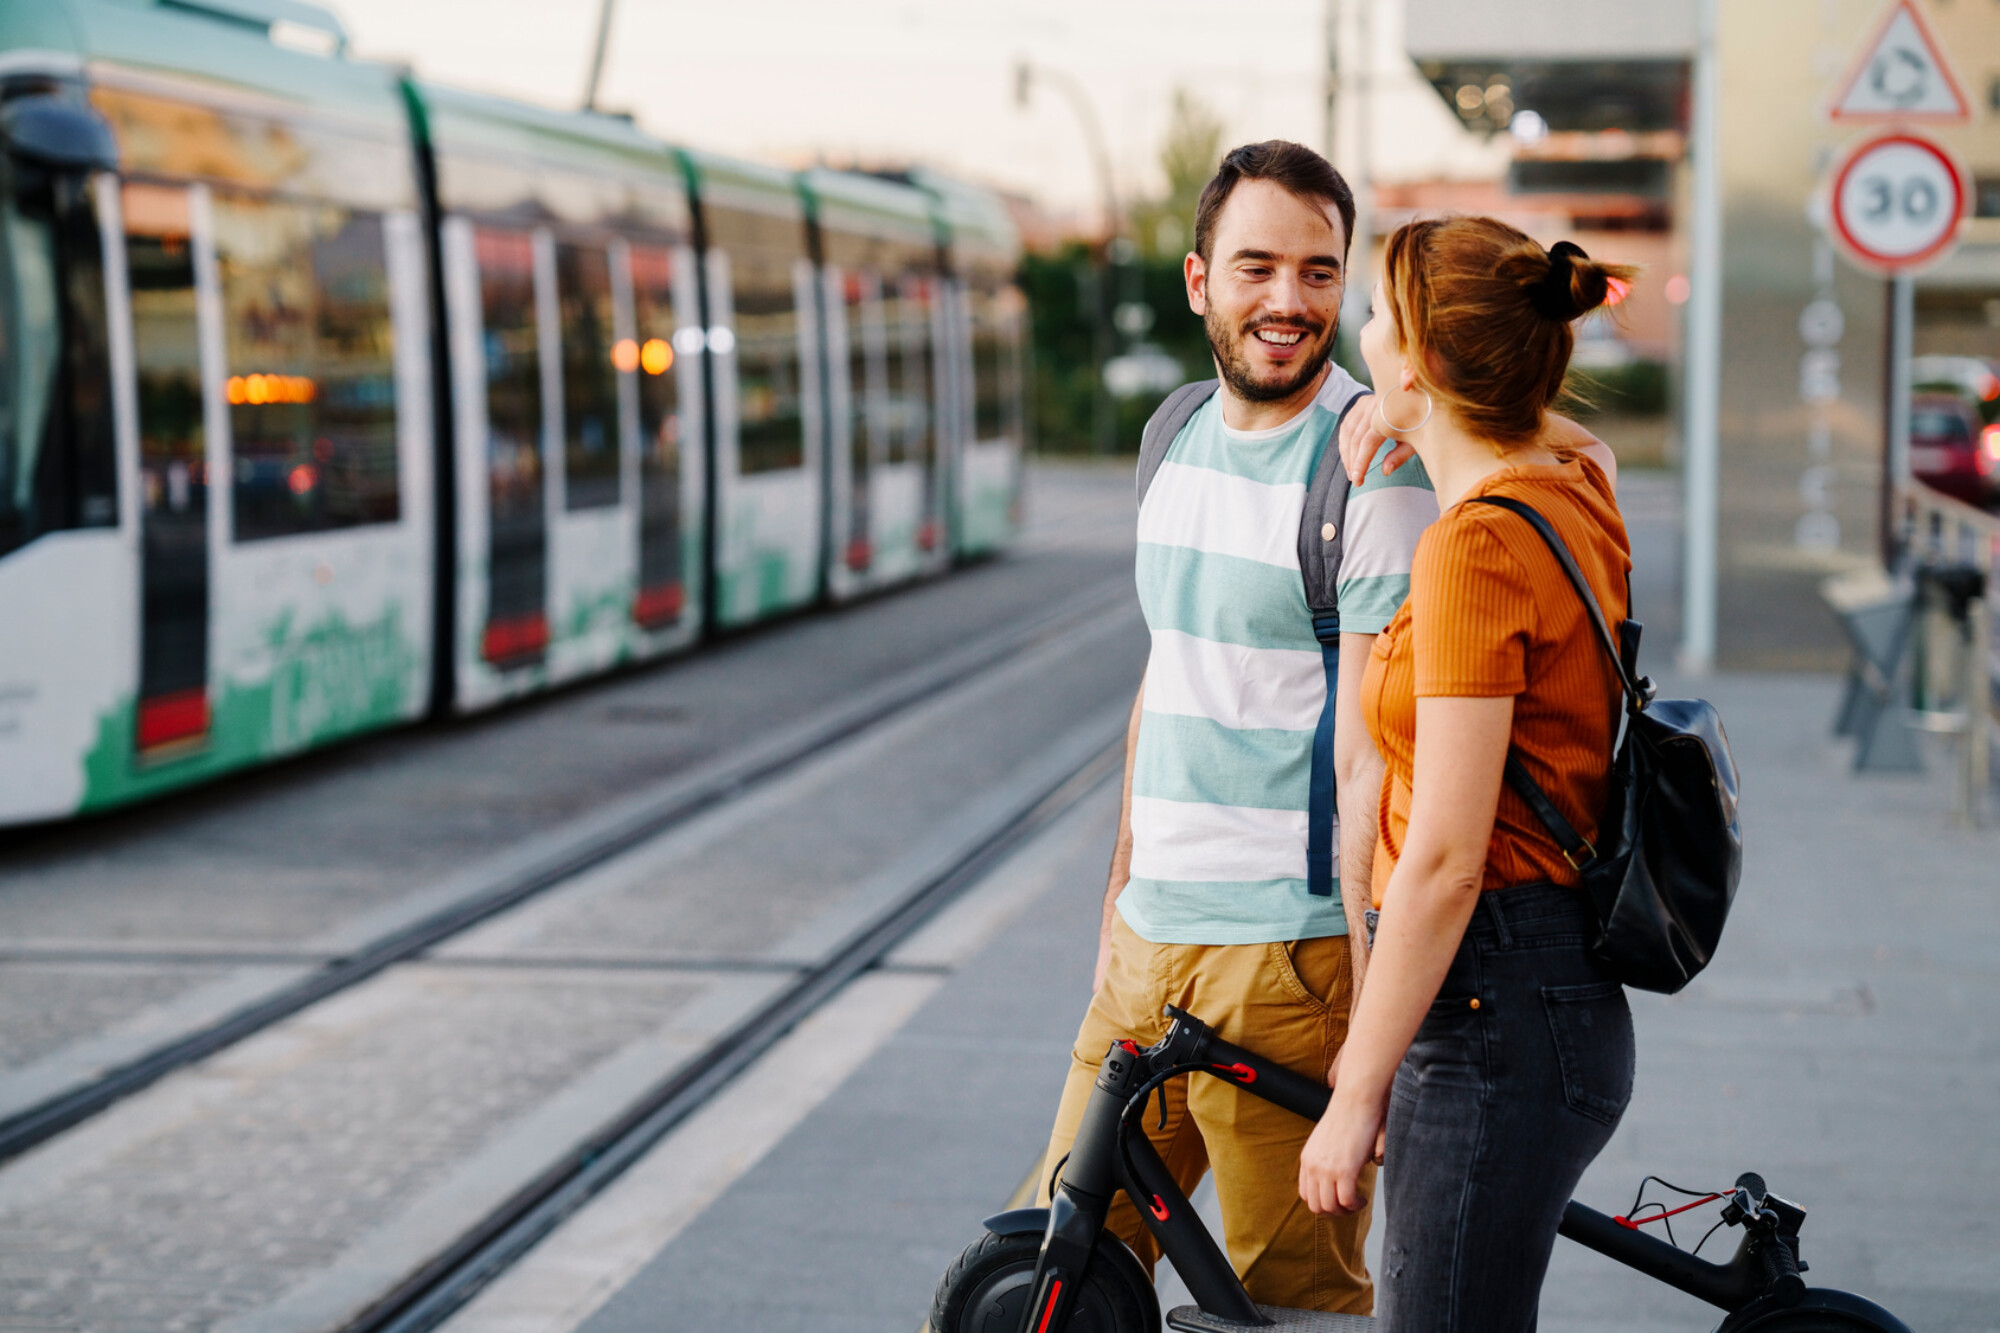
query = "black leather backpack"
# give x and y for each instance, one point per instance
(1670, 854)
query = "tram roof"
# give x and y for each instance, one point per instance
(975, 217)
(580, 138)
(853, 202)
(292, 53)
(225, 46)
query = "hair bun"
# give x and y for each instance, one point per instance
(1568, 289)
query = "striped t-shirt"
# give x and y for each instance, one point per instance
(1235, 683)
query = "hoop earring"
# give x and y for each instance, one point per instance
(1394, 431)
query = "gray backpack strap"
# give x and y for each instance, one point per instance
(1165, 424)
(1323, 524)
(1322, 539)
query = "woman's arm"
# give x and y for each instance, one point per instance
(1461, 751)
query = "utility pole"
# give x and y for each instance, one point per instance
(597, 56)
(1701, 417)
(1103, 423)
(1350, 58)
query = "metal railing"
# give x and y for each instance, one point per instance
(1954, 550)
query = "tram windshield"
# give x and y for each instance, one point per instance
(56, 466)
(28, 344)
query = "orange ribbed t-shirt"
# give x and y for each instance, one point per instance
(1490, 613)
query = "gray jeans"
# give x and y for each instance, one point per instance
(1513, 1084)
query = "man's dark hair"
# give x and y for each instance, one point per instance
(1290, 166)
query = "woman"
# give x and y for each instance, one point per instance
(1492, 1046)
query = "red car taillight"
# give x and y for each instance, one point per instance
(1987, 456)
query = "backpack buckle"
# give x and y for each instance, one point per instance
(1589, 860)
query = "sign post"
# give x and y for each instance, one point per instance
(1898, 196)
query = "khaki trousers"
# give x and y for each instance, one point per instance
(1287, 1002)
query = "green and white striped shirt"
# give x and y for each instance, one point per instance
(1235, 683)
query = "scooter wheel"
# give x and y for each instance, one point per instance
(986, 1290)
(1822, 1310)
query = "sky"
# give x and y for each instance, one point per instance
(891, 81)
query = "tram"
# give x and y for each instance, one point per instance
(331, 399)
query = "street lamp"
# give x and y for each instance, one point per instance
(1103, 425)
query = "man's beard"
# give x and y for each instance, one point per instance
(1235, 366)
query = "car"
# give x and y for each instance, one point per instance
(1952, 450)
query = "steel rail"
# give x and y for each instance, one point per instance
(433, 1292)
(586, 843)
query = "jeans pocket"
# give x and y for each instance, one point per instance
(1592, 1029)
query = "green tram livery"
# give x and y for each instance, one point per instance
(331, 399)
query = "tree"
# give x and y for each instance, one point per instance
(1188, 155)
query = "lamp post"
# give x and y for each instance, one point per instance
(1103, 425)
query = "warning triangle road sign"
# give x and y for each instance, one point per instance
(1902, 75)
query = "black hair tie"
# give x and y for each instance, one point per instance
(1550, 295)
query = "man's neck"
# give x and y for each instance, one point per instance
(1239, 413)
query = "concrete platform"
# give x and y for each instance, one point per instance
(1841, 1045)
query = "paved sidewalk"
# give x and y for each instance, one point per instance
(1842, 1044)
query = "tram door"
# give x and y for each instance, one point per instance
(857, 401)
(914, 479)
(509, 419)
(661, 365)
(174, 707)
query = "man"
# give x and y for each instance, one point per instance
(1207, 905)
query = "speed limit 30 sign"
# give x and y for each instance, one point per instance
(1898, 199)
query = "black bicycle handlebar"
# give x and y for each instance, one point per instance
(1730, 1286)
(1781, 1271)
(1191, 1041)
(1765, 1264)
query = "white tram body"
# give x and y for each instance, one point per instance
(331, 399)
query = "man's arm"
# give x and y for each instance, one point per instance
(1357, 776)
(1121, 852)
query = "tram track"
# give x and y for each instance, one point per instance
(549, 860)
(434, 1292)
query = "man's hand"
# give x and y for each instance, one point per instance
(1103, 959)
(1361, 438)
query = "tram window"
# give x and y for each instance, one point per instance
(311, 388)
(772, 425)
(770, 414)
(662, 587)
(993, 367)
(57, 466)
(906, 310)
(512, 345)
(996, 363)
(589, 377)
